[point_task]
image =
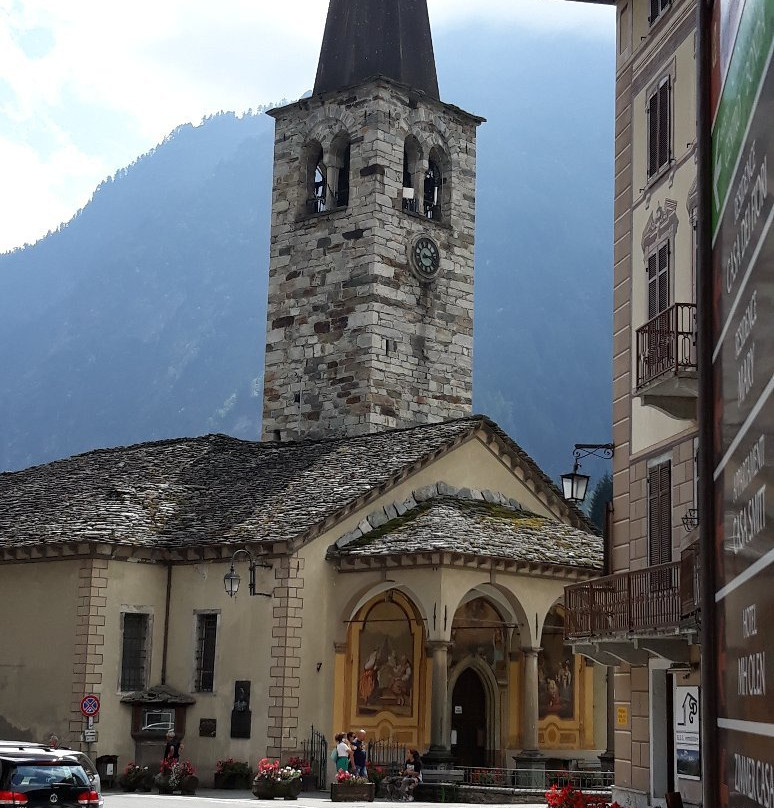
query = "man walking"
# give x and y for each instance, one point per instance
(360, 754)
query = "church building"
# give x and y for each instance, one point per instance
(402, 561)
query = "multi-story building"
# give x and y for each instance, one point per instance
(641, 618)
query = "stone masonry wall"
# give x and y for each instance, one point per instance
(355, 343)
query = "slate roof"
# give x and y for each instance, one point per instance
(216, 489)
(476, 528)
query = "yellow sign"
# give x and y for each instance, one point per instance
(622, 716)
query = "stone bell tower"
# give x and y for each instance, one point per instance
(370, 312)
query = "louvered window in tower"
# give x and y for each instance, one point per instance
(660, 521)
(660, 128)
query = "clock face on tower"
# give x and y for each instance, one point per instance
(425, 258)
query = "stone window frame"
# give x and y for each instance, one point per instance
(199, 638)
(146, 650)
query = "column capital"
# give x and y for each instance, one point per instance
(431, 646)
(531, 651)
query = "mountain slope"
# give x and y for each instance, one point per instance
(143, 317)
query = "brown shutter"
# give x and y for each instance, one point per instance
(664, 152)
(653, 286)
(663, 278)
(659, 514)
(653, 134)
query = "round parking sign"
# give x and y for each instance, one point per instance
(89, 706)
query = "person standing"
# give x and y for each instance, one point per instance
(342, 752)
(359, 753)
(172, 749)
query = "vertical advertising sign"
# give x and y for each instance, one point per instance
(686, 731)
(742, 104)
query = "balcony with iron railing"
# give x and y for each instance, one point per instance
(667, 375)
(646, 602)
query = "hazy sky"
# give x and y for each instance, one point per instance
(88, 85)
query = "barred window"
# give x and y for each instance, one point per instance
(134, 650)
(206, 638)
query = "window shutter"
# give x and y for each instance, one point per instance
(663, 278)
(653, 286)
(664, 152)
(652, 134)
(659, 514)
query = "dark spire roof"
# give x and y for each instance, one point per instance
(365, 38)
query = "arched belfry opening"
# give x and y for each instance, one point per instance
(437, 187)
(412, 174)
(316, 179)
(340, 168)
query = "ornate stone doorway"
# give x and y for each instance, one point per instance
(469, 720)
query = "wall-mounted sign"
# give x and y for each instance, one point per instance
(622, 716)
(686, 729)
(457, 709)
(742, 339)
(90, 705)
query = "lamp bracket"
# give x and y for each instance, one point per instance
(603, 450)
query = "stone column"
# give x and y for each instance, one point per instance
(530, 761)
(439, 717)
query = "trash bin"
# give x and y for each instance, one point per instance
(107, 769)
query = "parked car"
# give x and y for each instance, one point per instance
(81, 757)
(36, 776)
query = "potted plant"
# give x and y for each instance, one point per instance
(182, 777)
(161, 780)
(351, 788)
(231, 774)
(273, 780)
(376, 775)
(131, 778)
(308, 777)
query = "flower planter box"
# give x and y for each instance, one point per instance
(349, 792)
(265, 789)
(308, 782)
(229, 782)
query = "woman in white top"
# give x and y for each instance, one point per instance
(342, 752)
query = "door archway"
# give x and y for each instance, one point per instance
(469, 720)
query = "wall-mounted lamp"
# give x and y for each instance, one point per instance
(574, 485)
(231, 579)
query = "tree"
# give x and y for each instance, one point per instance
(603, 493)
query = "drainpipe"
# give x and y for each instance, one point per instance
(166, 626)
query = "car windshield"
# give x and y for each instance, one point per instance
(31, 776)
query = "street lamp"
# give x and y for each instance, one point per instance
(232, 579)
(574, 485)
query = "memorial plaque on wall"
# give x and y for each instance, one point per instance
(241, 715)
(743, 376)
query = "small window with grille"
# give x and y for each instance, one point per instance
(134, 650)
(206, 638)
(660, 127)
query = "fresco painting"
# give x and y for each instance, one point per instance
(386, 671)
